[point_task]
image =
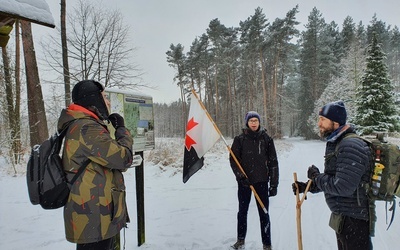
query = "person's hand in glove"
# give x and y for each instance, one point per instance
(302, 187)
(243, 180)
(312, 172)
(116, 120)
(272, 191)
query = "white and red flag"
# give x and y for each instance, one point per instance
(201, 135)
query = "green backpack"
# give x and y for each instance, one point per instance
(386, 170)
(384, 178)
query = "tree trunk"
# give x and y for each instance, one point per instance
(17, 110)
(265, 91)
(36, 111)
(67, 79)
(10, 103)
(216, 95)
(184, 109)
(229, 106)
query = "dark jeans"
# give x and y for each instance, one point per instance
(107, 244)
(244, 197)
(354, 235)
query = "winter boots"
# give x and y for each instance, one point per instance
(238, 245)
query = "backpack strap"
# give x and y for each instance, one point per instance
(392, 209)
(266, 138)
(348, 135)
(80, 171)
(62, 134)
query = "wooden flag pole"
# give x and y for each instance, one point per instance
(299, 202)
(231, 152)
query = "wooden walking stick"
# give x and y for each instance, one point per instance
(298, 210)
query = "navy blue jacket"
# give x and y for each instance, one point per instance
(256, 154)
(346, 170)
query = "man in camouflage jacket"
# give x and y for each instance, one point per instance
(96, 210)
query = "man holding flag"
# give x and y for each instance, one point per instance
(253, 148)
(257, 170)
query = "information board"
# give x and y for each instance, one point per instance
(137, 110)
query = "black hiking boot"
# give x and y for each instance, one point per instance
(238, 245)
(265, 247)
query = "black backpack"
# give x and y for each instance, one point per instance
(46, 179)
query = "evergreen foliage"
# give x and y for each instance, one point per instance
(260, 66)
(345, 86)
(376, 110)
(394, 59)
(318, 64)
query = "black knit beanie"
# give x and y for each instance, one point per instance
(334, 111)
(87, 93)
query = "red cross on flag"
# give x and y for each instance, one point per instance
(201, 135)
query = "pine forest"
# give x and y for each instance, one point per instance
(287, 74)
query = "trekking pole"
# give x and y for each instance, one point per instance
(230, 151)
(298, 210)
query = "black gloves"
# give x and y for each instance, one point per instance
(312, 172)
(244, 181)
(302, 187)
(116, 120)
(272, 191)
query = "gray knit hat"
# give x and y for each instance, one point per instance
(249, 115)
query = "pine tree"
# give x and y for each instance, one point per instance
(317, 65)
(343, 87)
(376, 110)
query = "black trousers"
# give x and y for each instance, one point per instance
(107, 244)
(354, 235)
(244, 197)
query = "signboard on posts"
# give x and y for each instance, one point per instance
(137, 110)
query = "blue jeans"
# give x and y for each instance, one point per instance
(244, 197)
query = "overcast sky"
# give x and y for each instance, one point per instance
(155, 24)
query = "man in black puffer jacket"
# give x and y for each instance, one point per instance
(347, 162)
(256, 153)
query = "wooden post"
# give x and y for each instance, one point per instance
(298, 210)
(139, 172)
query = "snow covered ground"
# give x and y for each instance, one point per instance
(200, 214)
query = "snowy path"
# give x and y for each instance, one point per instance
(200, 214)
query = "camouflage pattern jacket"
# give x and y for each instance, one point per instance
(96, 208)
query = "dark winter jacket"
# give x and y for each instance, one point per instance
(256, 154)
(345, 172)
(96, 208)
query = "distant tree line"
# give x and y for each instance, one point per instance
(277, 70)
